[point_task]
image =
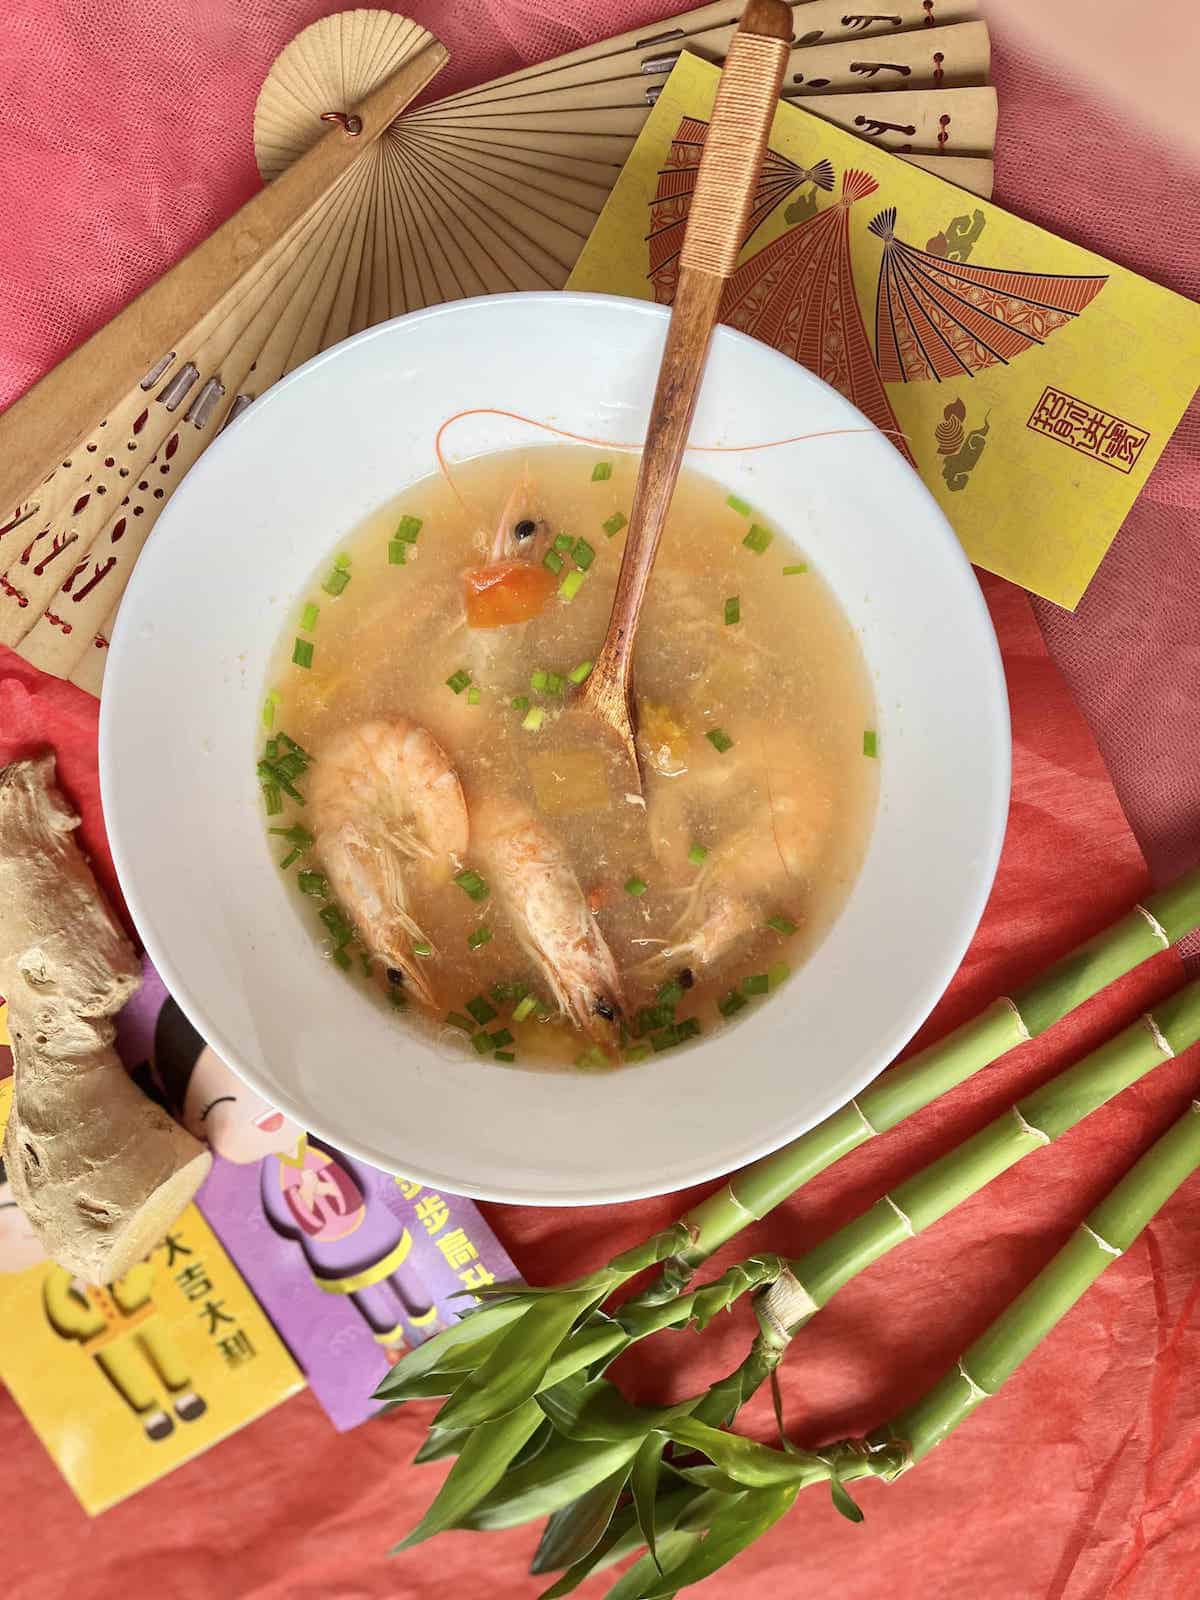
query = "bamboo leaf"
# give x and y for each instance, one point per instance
(755, 1465)
(534, 1445)
(638, 1581)
(482, 1463)
(599, 1411)
(564, 1470)
(622, 1527)
(514, 1370)
(844, 1501)
(430, 1386)
(733, 1530)
(711, 1478)
(440, 1443)
(644, 1484)
(464, 1344)
(575, 1531)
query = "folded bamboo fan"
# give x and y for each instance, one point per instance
(372, 210)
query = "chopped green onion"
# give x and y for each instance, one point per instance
(736, 503)
(501, 1039)
(563, 541)
(482, 1043)
(554, 683)
(637, 1052)
(538, 680)
(870, 744)
(295, 835)
(334, 919)
(520, 702)
(505, 1055)
(553, 561)
(542, 1011)
(671, 993)
(272, 799)
(302, 653)
(777, 972)
(422, 948)
(473, 696)
(482, 1010)
(276, 776)
(397, 552)
(533, 719)
(282, 738)
(731, 1004)
(336, 581)
(268, 710)
(592, 1059)
(758, 539)
(613, 525)
(651, 1017)
(719, 739)
(687, 1028)
(524, 1008)
(458, 681)
(397, 999)
(797, 567)
(602, 472)
(583, 554)
(308, 617)
(481, 936)
(292, 855)
(340, 956)
(408, 529)
(758, 983)
(341, 563)
(783, 925)
(509, 991)
(733, 610)
(571, 584)
(697, 855)
(314, 883)
(457, 1020)
(472, 884)
(579, 673)
(636, 886)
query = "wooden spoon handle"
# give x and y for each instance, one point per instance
(747, 96)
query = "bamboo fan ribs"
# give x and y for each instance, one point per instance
(371, 211)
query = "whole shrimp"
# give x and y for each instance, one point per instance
(530, 871)
(387, 805)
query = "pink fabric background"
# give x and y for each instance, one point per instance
(125, 137)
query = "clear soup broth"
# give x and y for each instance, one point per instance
(463, 842)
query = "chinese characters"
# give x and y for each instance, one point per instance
(1087, 429)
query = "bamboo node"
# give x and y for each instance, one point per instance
(872, 1131)
(1159, 1037)
(783, 1306)
(1028, 1127)
(1007, 1000)
(1109, 1249)
(1156, 927)
(903, 1215)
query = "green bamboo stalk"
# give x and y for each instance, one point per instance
(1152, 926)
(1037, 1120)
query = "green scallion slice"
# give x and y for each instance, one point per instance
(636, 886)
(473, 696)
(563, 541)
(613, 525)
(407, 530)
(335, 921)
(757, 983)
(520, 702)
(533, 719)
(777, 972)
(481, 936)
(579, 673)
(571, 584)
(583, 554)
(482, 1010)
(422, 948)
(308, 617)
(758, 539)
(397, 999)
(472, 884)
(602, 472)
(501, 1039)
(554, 683)
(458, 681)
(670, 994)
(524, 1008)
(314, 883)
(457, 1020)
(697, 855)
(733, 610)
(341, 563)
(650, 1018)
(397, 552)
(553, 561)
(336, 581)
(592, 1060)
(637, 1052)
(268, 710)
(482, 1043)
(782, 925)
(302, 653)
(719, 739)
(295, 835)
(341, 956)
(870, 743)
(537, 681)
(272, 799)
(505, 992)
(736, 503)
(292, 855)
(795, 569)
(505, 1055)
(731, 1004)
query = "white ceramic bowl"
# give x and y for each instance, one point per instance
(180, 731)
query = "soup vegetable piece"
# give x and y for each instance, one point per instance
(464, 845)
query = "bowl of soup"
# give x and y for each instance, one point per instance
(395, 875)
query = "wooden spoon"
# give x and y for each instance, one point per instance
(747, 96)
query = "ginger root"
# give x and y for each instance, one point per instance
(99, 1170)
